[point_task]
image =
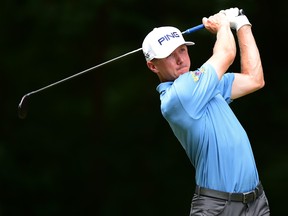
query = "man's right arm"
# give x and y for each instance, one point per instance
(224, 50)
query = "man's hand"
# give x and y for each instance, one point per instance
(215, 22)
(236, 18)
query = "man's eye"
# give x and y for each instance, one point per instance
(183, 49)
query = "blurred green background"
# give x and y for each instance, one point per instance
(98, 144)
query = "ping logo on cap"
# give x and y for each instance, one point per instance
(162, 41)
(168, 37)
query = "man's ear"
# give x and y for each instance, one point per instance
(152, 66)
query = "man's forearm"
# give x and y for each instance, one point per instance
(250, 56)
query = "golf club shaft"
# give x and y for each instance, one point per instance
(188, 31)
(82, 72)
(23, 103)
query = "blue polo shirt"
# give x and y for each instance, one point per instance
(196, 106)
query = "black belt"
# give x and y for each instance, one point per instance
(237, 197)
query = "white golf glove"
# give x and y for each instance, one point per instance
(236, 18)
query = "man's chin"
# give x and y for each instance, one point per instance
(182, 71)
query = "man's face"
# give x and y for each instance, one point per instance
(171, 67)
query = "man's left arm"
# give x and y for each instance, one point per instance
(251, 77)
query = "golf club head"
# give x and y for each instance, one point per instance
(23, 107)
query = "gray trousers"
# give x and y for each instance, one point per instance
(207, 206)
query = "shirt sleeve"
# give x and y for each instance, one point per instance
(225, 86)
(196, 88)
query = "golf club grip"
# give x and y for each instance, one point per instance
(193, 29)
(201, 26)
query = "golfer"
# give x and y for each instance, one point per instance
(196, 106)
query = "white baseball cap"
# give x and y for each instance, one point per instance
(162, 41)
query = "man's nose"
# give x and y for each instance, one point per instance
(179, 58)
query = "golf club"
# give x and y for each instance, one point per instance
(23, 105)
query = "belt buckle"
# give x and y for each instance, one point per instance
(247, 195)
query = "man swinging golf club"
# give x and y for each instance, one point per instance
(196, 106)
